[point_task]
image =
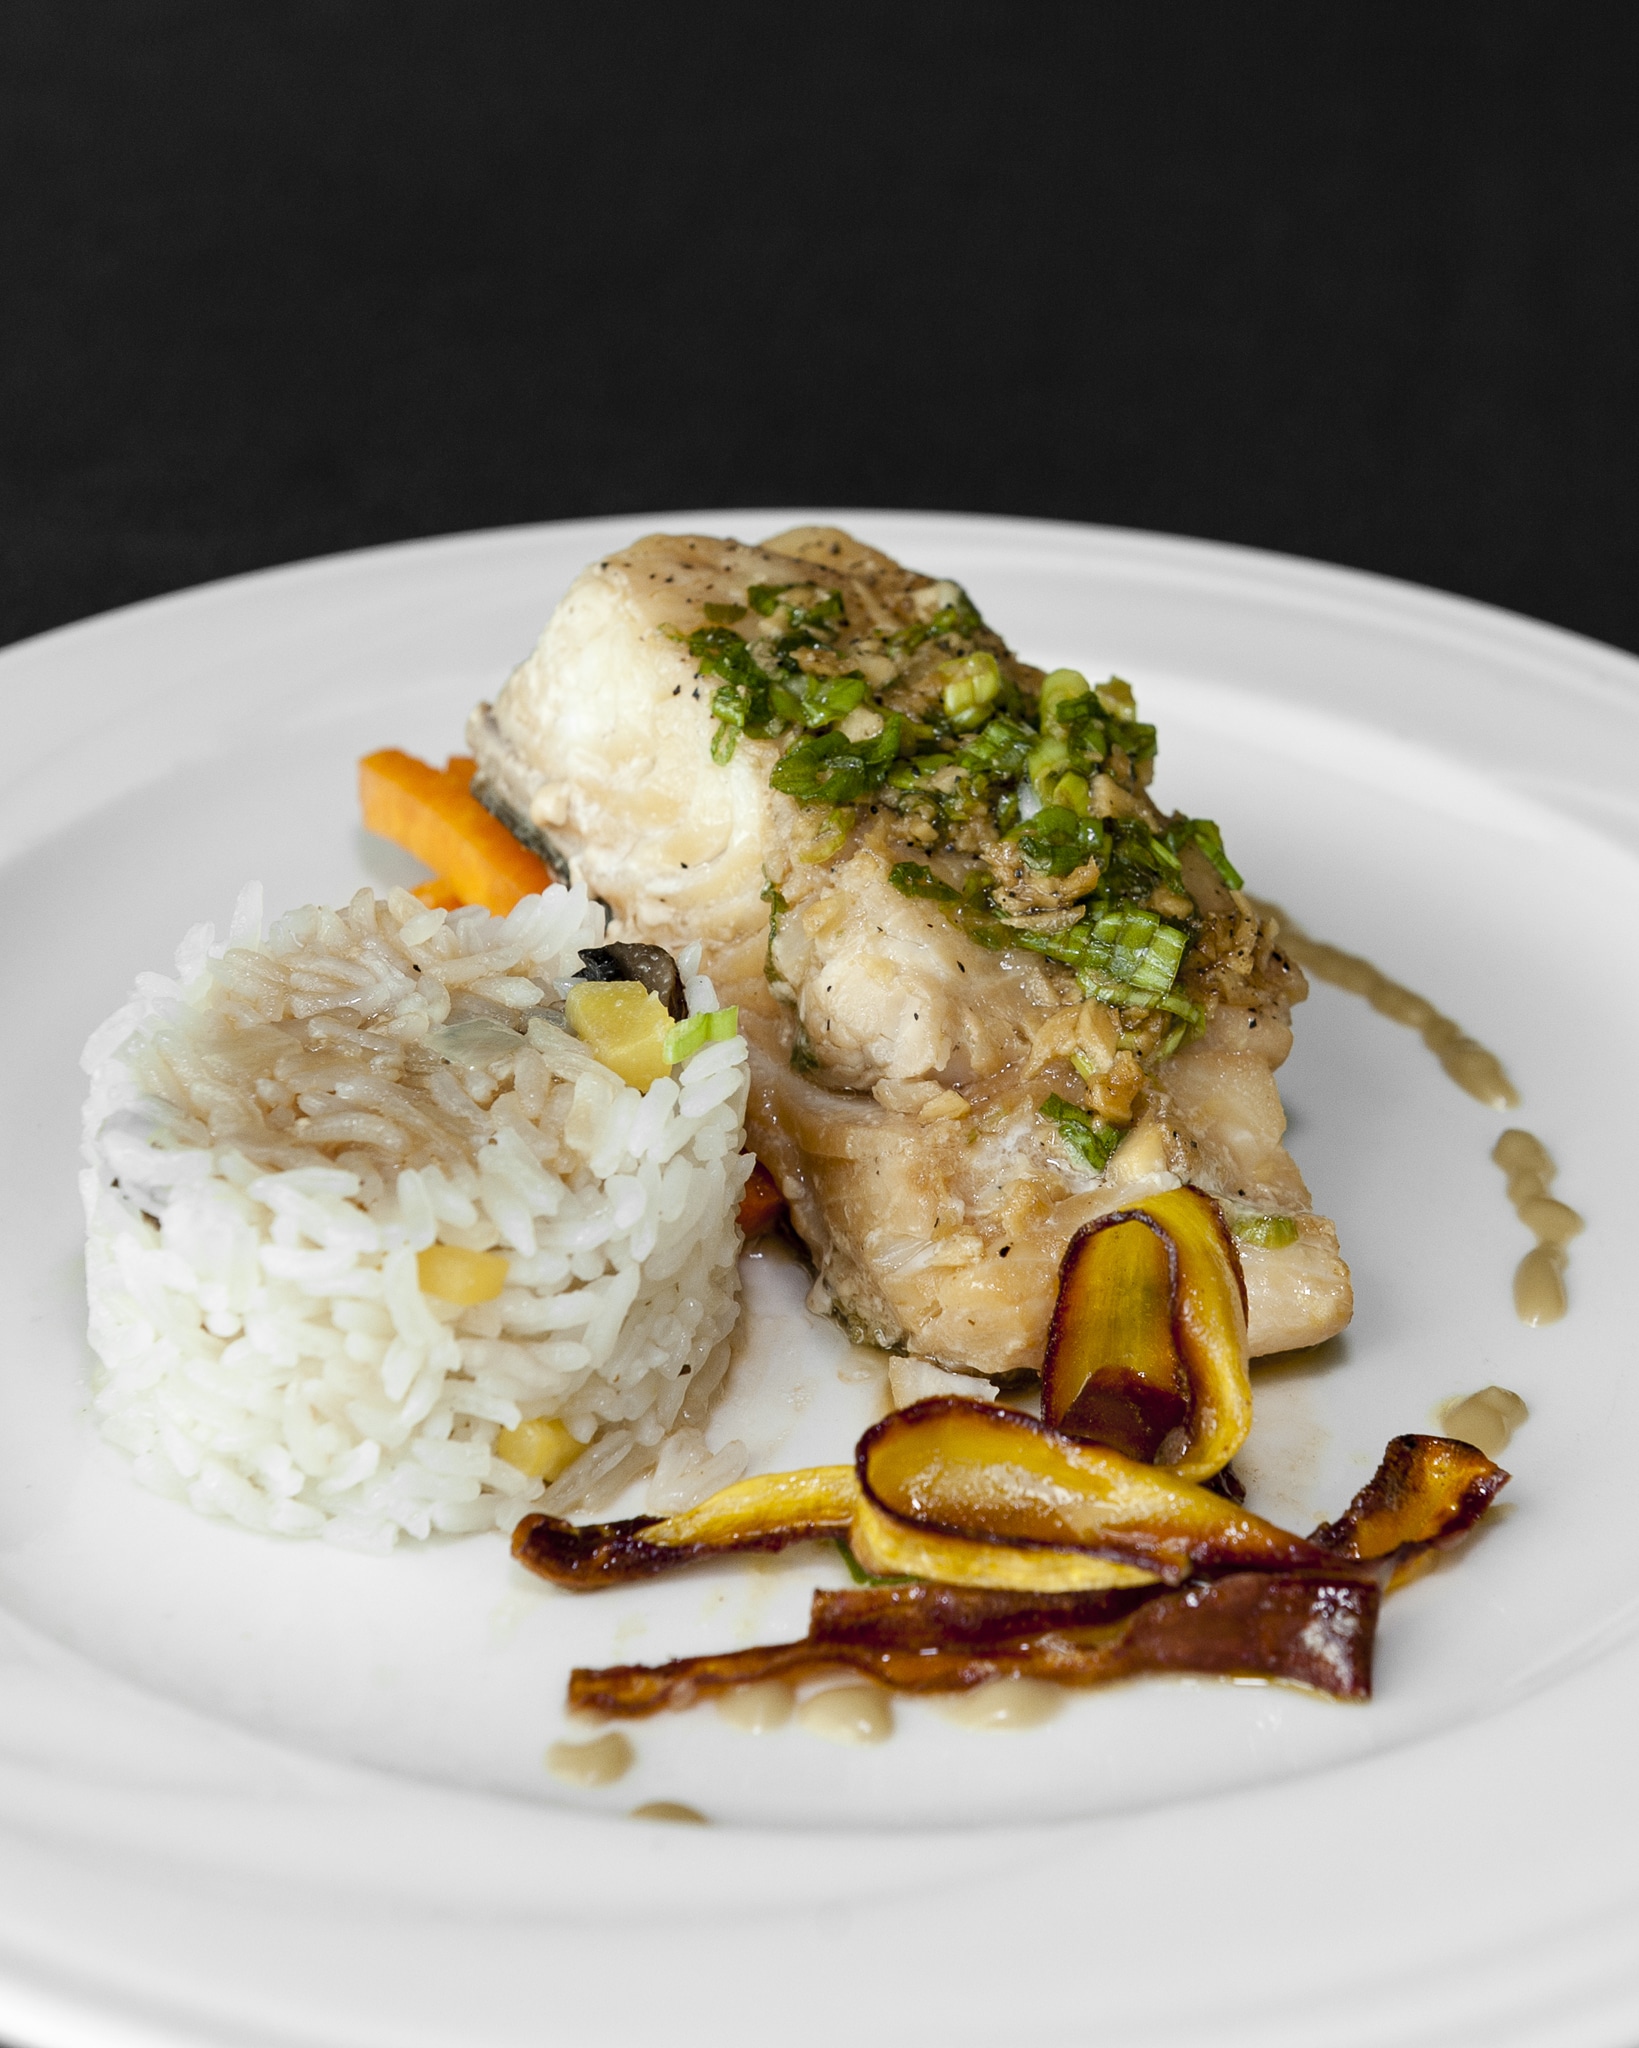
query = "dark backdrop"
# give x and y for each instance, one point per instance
(1357, 282)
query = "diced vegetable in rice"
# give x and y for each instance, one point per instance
(276, 1135)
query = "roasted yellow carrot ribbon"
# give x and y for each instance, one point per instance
(1148, 1337)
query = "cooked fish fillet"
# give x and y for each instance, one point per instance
(903, 1042)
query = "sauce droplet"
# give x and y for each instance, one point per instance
(1486, 1419)
(1002, 1703)
(1477, 1071)
(1539, 1280)
(1539, 1285)
(672, 1810)
(758, 1709)
(1518, 1152)
(848, 1713)
(598, 1762)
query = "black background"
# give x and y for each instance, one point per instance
(1356, 282)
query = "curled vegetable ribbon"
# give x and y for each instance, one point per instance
(1148, 1337)
(1263, 1602)
(963, 1494)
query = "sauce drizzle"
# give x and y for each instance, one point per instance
(1539, 1279)
(1486, 1420)
(848, 1713)
(673, 1810)
(1475, 1069)
(758, 1709)
(1001, 1703)
(599, 1762)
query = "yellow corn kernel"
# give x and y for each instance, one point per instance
(624, 1025)
(454, 1274)
(540, 1447)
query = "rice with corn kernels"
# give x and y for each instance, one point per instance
(275, 1134)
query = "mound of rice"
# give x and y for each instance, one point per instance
(274, 1135)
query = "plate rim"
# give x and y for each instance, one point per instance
(1609, 673)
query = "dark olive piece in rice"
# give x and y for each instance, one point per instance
(651, 965)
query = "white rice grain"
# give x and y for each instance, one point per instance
(273, 1136)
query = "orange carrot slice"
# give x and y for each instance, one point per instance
(438, 895)
(432, 813)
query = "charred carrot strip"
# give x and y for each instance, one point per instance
(1021, 1516)
(1428, 1491)
(969, 1494)
(917, 1615)
(953, 1491)
(432, 813)
(1297, 1629)
(753, 1514)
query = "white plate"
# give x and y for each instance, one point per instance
(264, 1793)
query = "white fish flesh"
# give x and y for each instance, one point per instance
(944, 918)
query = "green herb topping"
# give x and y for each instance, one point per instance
(1037, 798)
(1091, 1141)
(1126, 957)
(830, 768)
(684, 1040)
(1271, 1233)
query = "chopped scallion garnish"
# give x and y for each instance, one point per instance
(970, 683)
(1203, 833)
(824, 703)
(1142, 950)
(1058, 692)
(976, 757)
(999, 748)
(830, 768)
(684, 1040)
(1092, 1141)
(1269, 1233)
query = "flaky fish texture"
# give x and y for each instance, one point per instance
(898, 1066)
